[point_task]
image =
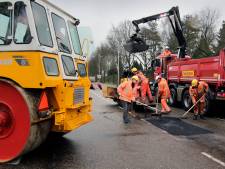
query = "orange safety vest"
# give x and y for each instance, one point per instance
(164, 90)
(136, 90)
(166, 53)
(126, 92)
(142, 77)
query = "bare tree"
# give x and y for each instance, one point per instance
(191, 29)
(151, 35)
(117, 37)
(208, 19)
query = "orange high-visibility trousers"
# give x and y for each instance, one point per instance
(165, 107)
(199, 108)
(145, 90)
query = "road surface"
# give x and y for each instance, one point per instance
(107, 143)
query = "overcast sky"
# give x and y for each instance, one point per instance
(100, 15)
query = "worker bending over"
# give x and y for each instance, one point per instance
(198, 91)
(126, 91)
(163, 93)
(145, 89)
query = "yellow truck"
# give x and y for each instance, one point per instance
(44, 84)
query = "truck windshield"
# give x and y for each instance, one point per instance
(75, 39)
(5, 20)
(42, 26)
(61, 33)
(22, 34)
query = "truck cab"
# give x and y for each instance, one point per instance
(42, 63)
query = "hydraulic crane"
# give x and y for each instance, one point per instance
(136, 44)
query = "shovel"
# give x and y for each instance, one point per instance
(152, 108)
(157, 105)
(184, 116)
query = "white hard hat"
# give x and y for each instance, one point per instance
(167, 47)
(157, 78)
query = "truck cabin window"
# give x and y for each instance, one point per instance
(42, 25)
(22, 34)
(156, 63)
(68, 66)
(75, 38)
(61, 33)
(6, 23)
(82, 70)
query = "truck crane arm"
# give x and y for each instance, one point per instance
(136, 45)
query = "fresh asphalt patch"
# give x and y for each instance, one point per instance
(177, 127)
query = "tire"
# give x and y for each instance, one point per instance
(207, 104)
(18, 109)
(186, 100)
(155, 94)
(173, 98)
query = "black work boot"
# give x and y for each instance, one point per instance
(195, 117)
(202, 117)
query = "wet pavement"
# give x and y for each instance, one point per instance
(152, 143)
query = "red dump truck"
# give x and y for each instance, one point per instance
(181, 71)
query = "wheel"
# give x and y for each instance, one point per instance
(173, 98)
(18, 108)
(207, 104)
(155, 93)
(186, 100)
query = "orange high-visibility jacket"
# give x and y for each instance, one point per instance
(166, 53)
(142, 77)
(126, 92)
(198, 92)
(136, 90)
(163, 89)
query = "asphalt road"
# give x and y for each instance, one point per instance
(107, 143)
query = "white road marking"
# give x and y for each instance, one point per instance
(213, 159)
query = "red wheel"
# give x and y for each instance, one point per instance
(14, 122)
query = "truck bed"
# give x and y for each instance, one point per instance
(210, 69)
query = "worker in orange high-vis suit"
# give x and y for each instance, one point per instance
(145, 89)
(163, 94)
(126, 91)
(166, 52)
(165, 55)
(198, 91)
